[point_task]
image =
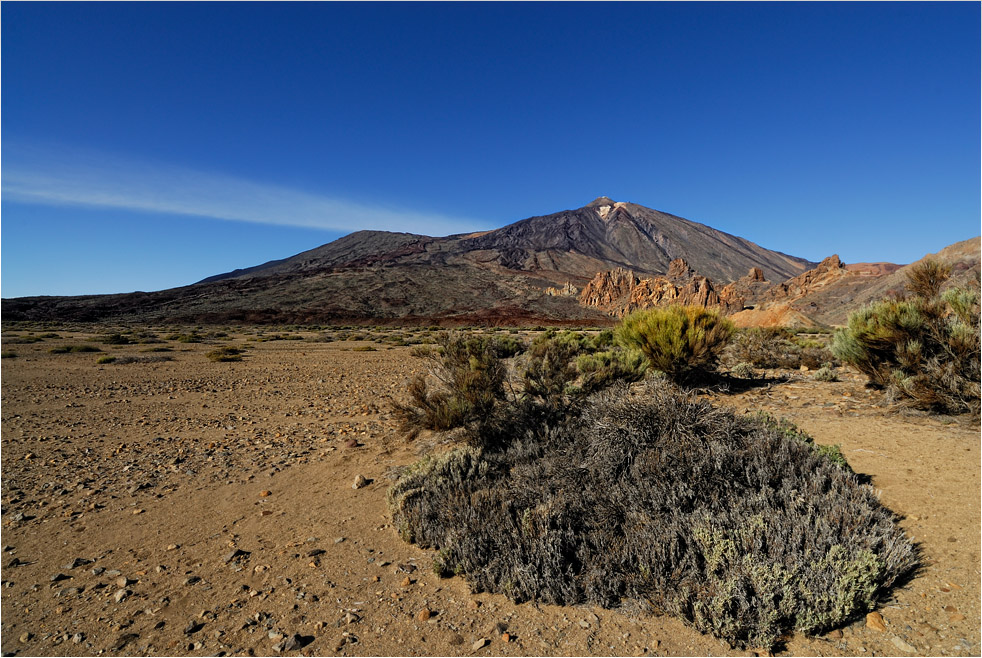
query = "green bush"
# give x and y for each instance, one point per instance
(744, 370)
(115, 339)
(105, 359)
(826, 374)
(602, 369)
(223, 354)
(8, 355)
(466, 382)
(73, 349)
(775, 347)
(738, 525)
(506, 347)
(189, 337)
(467, 379)
(684, 342)
(923, 350)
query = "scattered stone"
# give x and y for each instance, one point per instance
(25, 638)
(173, 547)
(351, 443)
(266, 493)
(424, 614)
(120, 595)
(316, 552)
(408, 568)
(98, 571)
(78, 638)
(193, 627)
(139, 511)
(191, 580)
(480, 644)
(16, 562)
(123, 640)
(473, 605)
(903, 646)
(584, 623)
(236, 553)
(58, 577)
(506, 637)
(77, 562)
(836, 634)
(338, 540)
(360, 481)
(289, 643)
(406, 582)
(123, 581)
(351, 618)
(875, 621)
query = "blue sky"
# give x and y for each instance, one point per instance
(147, 145)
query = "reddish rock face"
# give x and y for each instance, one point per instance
(619, 292)
(607, 287)
(679, 269)
(830, 270)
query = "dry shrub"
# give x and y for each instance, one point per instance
(736, 525)
(225, 354)
(465, 383)
(924, 349)
(683, 342)
(775, 347)
(472, 375)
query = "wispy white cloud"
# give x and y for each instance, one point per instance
(71, 177)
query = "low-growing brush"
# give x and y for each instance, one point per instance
(923, 350)
(739, 525)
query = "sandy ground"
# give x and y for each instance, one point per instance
(194, 507)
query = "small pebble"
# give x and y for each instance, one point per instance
(480, 644)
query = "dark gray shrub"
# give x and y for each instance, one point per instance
(736, 524)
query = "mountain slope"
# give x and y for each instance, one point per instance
(496, 276)
(833, 290)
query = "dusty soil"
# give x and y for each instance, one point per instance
(206, 508)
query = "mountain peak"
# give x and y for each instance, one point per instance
(600, 201)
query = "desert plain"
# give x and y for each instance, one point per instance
(168, 504)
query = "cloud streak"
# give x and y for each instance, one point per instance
(59, 178)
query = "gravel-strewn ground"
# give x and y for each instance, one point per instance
(198, 507)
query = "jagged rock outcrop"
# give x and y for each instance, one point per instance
(568, 290)
(745, 291)
(829, 271)
(618, 292)
(606, 288)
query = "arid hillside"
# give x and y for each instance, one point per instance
(506, 276)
